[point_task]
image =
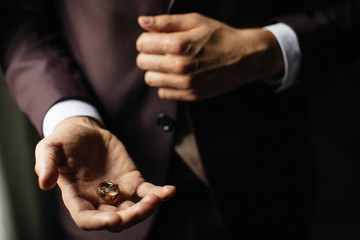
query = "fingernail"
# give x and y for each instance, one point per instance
(146, 20)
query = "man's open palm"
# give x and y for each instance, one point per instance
(79, 155)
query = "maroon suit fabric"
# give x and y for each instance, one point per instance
(253, 143)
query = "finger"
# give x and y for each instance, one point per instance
(166, 63)
(170, 23)
(128, 183)
(107, 207)
(96, 220)
(87, 217)
(159, 79)
(160, 43)
(186, 95)
(137, 212)
(48, 155)
(125, 205)
(164, 193)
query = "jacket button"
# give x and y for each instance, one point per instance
(165, 122)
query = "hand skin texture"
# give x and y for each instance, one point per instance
(190, 57)
(77, 156)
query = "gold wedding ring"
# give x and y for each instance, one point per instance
(109, 192)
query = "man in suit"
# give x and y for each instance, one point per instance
(218, 95)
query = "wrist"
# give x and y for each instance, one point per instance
(273, 58)
(80, 121)
(67, 109)
(263, 52)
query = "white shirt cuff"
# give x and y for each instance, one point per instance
(66, 109)
(290, 49)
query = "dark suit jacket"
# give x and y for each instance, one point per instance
(254, 144)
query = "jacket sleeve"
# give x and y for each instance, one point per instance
(39, 71)
(328, 33)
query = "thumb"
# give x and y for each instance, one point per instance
(48, 155)
(169, 23)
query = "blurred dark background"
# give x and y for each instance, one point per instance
(26, 212)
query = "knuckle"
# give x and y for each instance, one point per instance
(186, 82)
(191, 96)
(180, 47)
(188, 95)
(163, 21)
(196, 16)
(181, 66)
